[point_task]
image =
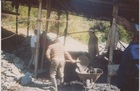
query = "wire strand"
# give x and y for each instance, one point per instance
(8, 37)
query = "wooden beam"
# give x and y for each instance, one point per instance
(48, 6)
(17, 7)
(4, 12)
(108, 39)
(112, 41)
(28, 23)
(66, 30)
(111, 3)
(100, 1)
(113, 34)
(38, 34)
(58, 23)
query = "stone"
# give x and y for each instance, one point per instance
(27, 79)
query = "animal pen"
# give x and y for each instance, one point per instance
(116, 11)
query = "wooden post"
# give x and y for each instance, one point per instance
(114, 28)
(39, 27)
(28, 23)
(48, 5)
(108, 38)
(65, 31)
(17, 6)
(58, 23)
(112, 43)
(116, 38)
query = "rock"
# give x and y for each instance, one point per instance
(12, 56)
(104, 87)
(16, 71)
(19, 63)
(3, 70)
(27, 79)
(20, 66)
(9, 73)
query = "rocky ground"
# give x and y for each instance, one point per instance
(16, 77)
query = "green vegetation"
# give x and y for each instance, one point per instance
(124, 35)
(75, 24)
